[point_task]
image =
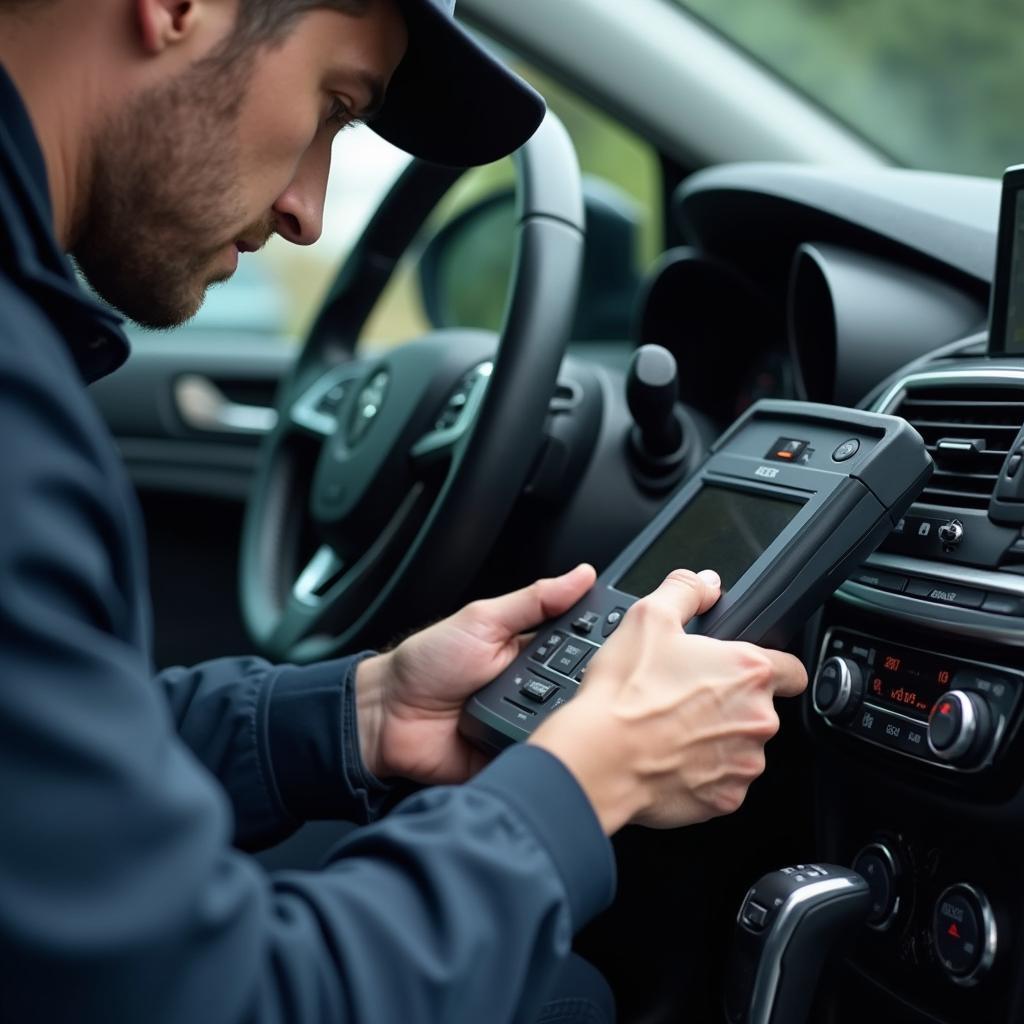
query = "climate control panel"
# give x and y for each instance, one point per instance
(943, 710)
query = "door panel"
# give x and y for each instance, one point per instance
(193, 475)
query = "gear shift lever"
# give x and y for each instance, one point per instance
(658, 443)
(789, 921)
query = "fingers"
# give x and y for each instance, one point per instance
(529, 607)
(788, 673)
(688, 593)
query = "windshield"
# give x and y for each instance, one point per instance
(936, 84)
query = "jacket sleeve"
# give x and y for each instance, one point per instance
(121, 897)
(282, 741)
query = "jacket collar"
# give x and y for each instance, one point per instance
(29, 252)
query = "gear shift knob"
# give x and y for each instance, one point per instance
(652, 389)
(790, 920)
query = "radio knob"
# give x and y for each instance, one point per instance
(960, 727)
(838, 689)
(881, 869)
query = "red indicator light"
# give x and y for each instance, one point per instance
(876, 685)
(783, 455)
(945, 708)
(953, 931)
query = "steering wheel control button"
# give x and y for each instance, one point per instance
(569, 656)
(367, 407)
(946, 593)
(586, 623)
(880, 869)
(846, 450)
(838, 689)
(890, 581)
(964, 932)
(960, 727)
(537, 689)
(546, 649)
(612, 620)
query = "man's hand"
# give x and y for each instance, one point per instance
(669, 729)
(409, 700)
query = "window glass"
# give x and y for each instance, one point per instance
(934, 83)
(621, 170)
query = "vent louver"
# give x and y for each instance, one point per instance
(969, 429)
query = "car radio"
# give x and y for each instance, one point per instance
(946, 711)
(790, 500)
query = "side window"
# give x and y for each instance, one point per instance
(458, 273)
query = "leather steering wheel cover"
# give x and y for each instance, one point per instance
(469, 513)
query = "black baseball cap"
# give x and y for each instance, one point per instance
(450, 101)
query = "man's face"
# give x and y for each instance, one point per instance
(224, 155)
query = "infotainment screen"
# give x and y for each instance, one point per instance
(1006, 322)
(722, 529)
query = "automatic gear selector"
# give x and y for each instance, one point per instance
(789, 921)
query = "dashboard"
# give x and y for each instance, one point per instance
(872, 290)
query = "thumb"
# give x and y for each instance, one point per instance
(527, 608)
(688, 593)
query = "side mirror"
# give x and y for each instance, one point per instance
(465, 268)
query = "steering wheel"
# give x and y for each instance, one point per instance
(387, 479)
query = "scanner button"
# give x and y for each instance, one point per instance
(537, 689)
(586, 622)
(612, 620)
(846, 450)
(581, 669)
(546, 649)
(569, 655)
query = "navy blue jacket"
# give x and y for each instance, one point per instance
(124, 894)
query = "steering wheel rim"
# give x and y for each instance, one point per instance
(467, 480)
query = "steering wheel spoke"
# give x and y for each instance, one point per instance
(318, 410)
(455, 421)
(322, 571)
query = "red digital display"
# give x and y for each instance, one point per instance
(908, 681)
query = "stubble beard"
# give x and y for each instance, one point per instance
(164, 200)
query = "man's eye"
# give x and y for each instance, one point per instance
(340, 115)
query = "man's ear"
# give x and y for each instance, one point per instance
(165, 23)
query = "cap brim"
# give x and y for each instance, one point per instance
(451, 102)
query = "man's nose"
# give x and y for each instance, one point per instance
(299, 210)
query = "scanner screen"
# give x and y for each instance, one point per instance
(722, 529)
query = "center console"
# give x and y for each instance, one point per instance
(917, 695)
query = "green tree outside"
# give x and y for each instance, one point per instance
(936, 84)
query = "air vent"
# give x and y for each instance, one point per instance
(969, 428)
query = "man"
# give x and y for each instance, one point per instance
(155, 140)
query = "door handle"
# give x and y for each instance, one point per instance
(203, 406)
